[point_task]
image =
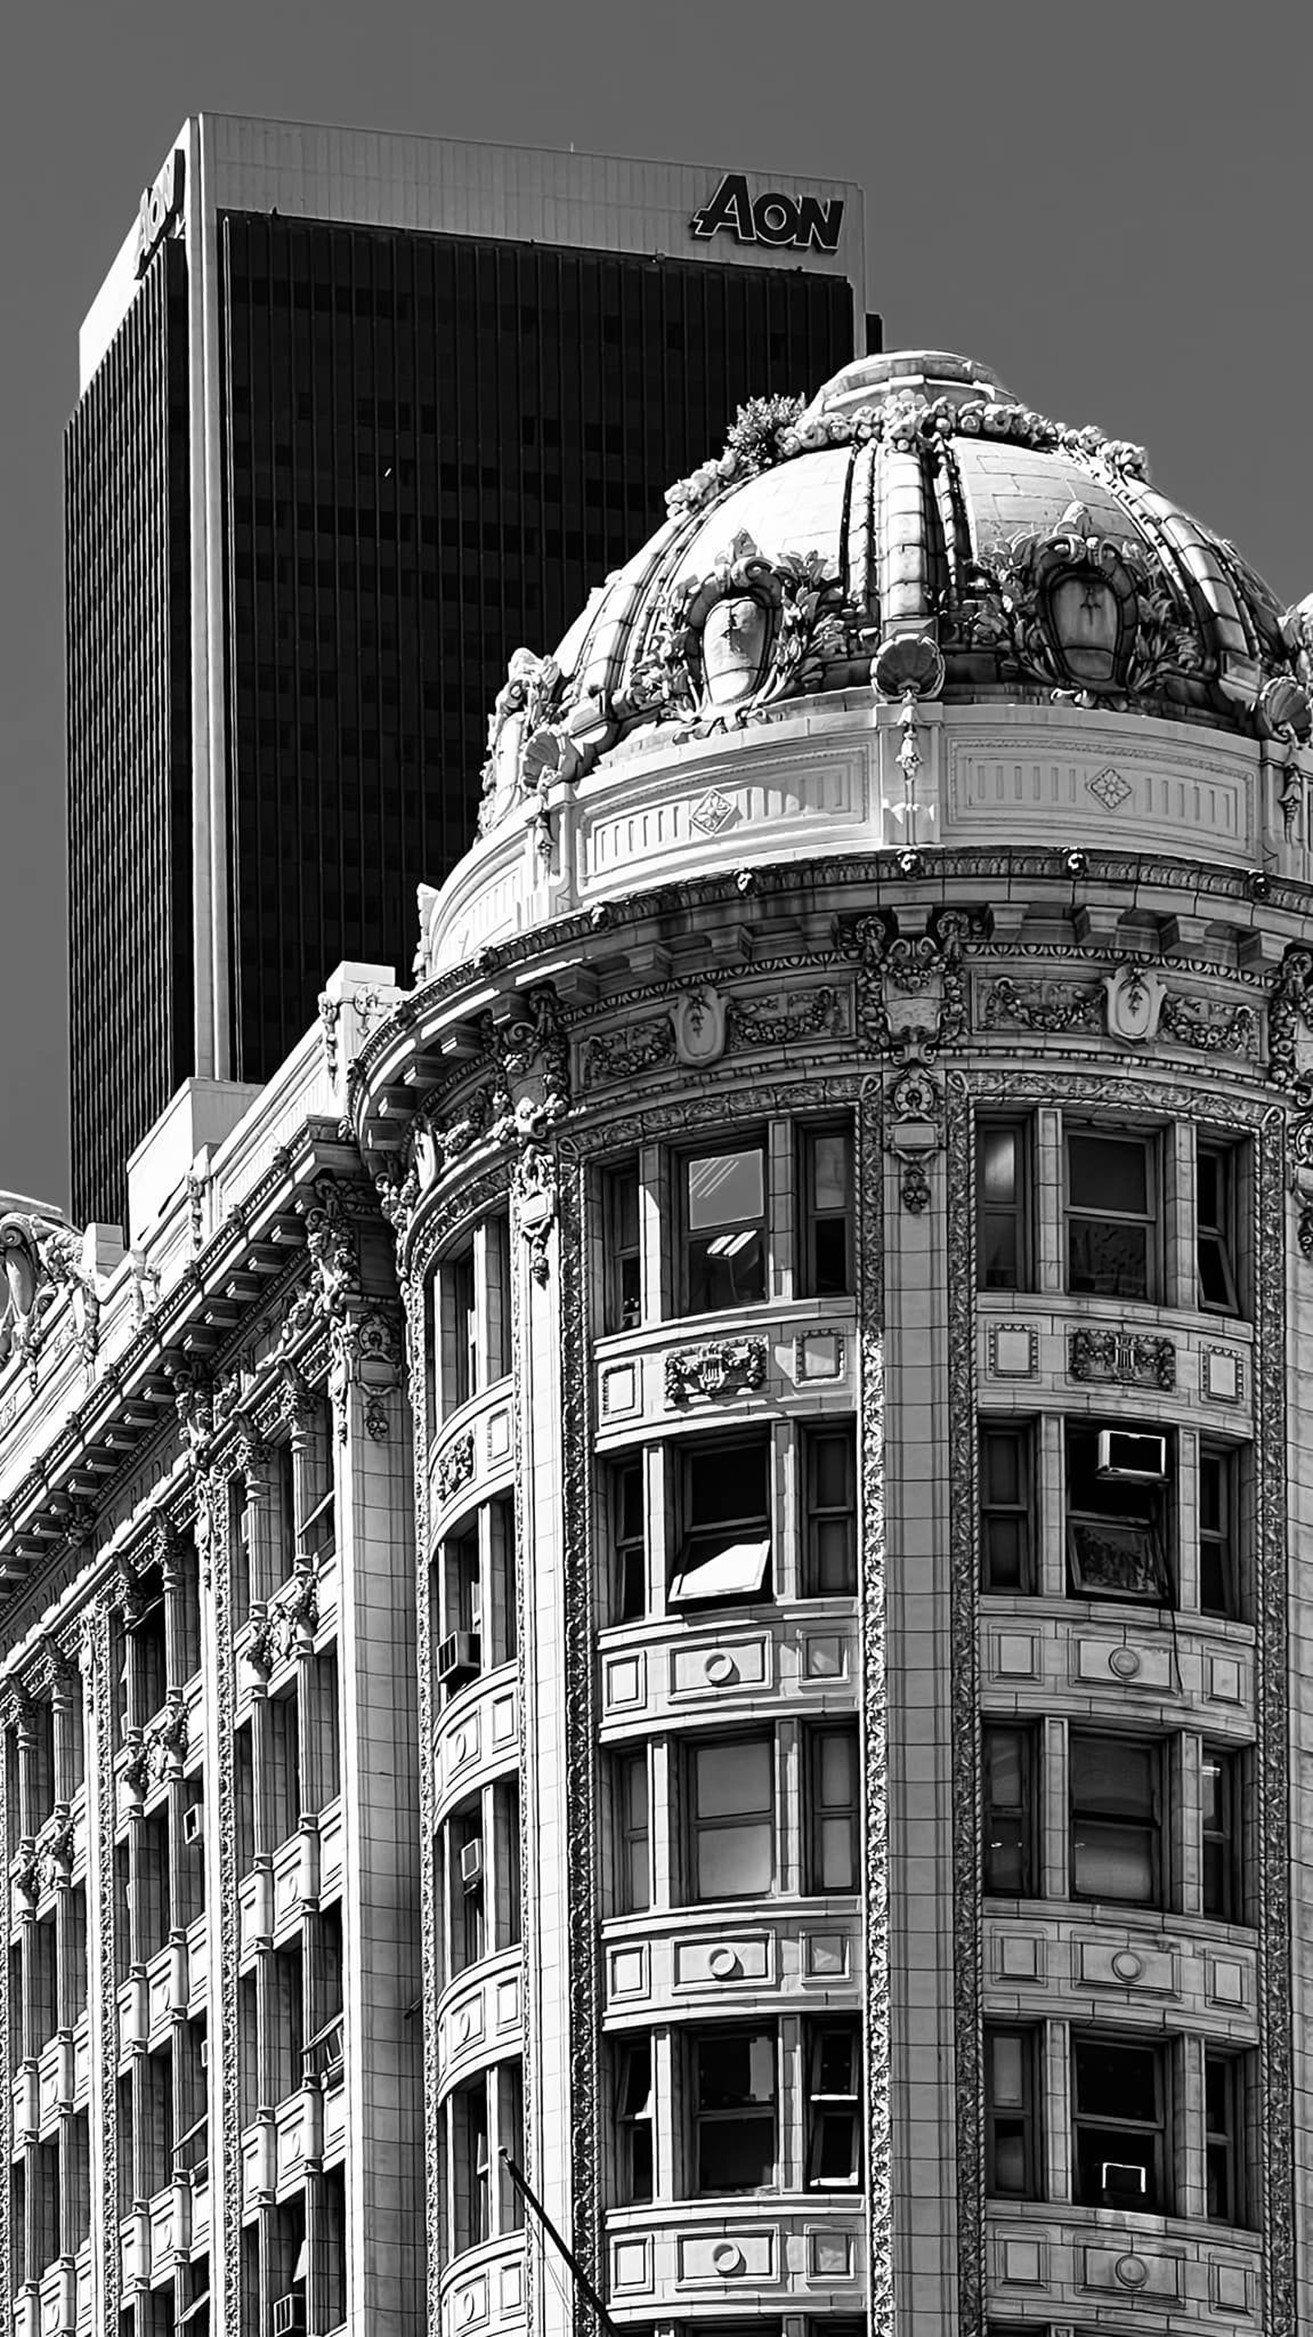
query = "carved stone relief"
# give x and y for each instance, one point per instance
(720, 1367)
(1125, 1358)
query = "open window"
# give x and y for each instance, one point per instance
(834, 2120)
(1119, 2101)
(1118, 1484)
(633, 2110)
(622, 1304)
(725, 1551)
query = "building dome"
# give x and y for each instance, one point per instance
(914, 524)
(939, 580)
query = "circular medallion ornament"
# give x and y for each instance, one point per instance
(1132, 2271)
(1127, 1965)
(1124, 1662)
(723, 1964)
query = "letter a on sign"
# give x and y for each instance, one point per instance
(729, 207)
(804, 224)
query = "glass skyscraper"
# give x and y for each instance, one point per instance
(359, 416)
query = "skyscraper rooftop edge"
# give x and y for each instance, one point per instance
(464, 186)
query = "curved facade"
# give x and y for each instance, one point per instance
(848, 1156)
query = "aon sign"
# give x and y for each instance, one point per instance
(802, 222)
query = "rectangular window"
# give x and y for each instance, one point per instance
(1224, 2136)
(732, 1818)
(1119, 2102)
(1219, 1588)
(471, 2167)
(1111, 1214)
(1215, 1228)
(1003, 1204)
(458, 1323)
(460, 1647)
(623, 1484)
(1012, 2159)
(1007, 1491)
(497, 1274)
(633, 2111)
(1008, 1769)
(826, 1265)
(830, 1521)
(1116, 1820)
(1219, 1796)
(834, 2122)
(633, 1845)
(834, 1833)
(725, 1230)
(467, 1883)
(504, 1621)
(735, 2096)
(1118, 1481)
(725, 1551)
(623, 1286)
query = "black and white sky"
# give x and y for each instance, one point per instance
(1109, 204)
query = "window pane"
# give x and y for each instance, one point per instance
(836, 2146)
(726, 1482)
(1001, 1458)
(1112, 1777)
(997, 1155)
(830, 1171)
(733, 1780)
(736, 2154)
(735, 1862)
(838, 1756)
(1007, 2071)
(736, 2071)
(1108, 1260)
(1108, 1172)
(725, 1189)
(832, 1476)
(836, 2062)
(1116, 2081)
(1004, 1766)
(1111, 1862)
(837, 1860)
(737, 1570)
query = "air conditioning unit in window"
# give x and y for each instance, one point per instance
(458, 1657)
(471, 1865)
(1125, 1452)
(193, 1823)
(1122, 2181)
(289, 2315)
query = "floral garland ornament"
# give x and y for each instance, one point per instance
(1088, 613)
(751, 632)
(41, 1259)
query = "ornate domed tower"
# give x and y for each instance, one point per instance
(850, 1148)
